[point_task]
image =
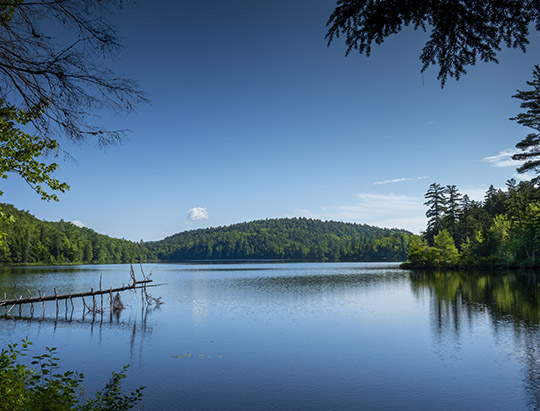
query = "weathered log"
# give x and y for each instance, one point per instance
(138, 284)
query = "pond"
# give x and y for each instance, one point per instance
(295, 336)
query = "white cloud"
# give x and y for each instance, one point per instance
(78, 223)
(383, 210)
(504, 159)
(400, 180)
(197, 213)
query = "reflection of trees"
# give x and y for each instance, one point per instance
(508, 298)
(511, 296)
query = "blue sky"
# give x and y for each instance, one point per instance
(252, 116)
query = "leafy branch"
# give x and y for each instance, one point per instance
(43, 388)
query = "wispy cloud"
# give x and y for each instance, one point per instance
(503, 159)
(78, 223)
(400, 180)
(197, 213)
(383, 210)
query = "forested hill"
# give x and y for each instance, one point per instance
(286, 239)
(30, 240)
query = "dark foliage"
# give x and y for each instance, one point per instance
(530, 145)
(460, 31)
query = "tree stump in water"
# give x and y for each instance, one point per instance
(117, 303)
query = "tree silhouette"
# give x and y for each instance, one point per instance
(461, 31)
(530, 145)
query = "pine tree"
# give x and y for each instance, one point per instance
(494, 201)
(453, 209)
(461, 33)
(436, 201)
(530, 145)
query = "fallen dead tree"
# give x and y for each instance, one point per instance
(92, 292)
(135, 284)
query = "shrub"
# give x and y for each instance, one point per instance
(42, 388)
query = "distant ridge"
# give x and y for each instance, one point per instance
(285, 239)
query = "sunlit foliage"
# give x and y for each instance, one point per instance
(30, 240)
(501, 231)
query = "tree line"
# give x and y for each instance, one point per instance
(286, 239)
(29, 240)
(503, 230)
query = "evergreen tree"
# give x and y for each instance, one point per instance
(436, 202)
(495, 201)
(503, 231)
(460, 32)
(453, 210)
(530, 145)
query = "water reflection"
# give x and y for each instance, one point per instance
(200, 298)
(315, 284)
(303, 336)
(15, 270)
(464, 300)
(506, 296)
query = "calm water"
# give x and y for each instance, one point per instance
(297, 336)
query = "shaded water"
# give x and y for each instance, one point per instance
(298, 336)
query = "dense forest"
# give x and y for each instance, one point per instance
(29, 240)
(286, 239)
(503, 230)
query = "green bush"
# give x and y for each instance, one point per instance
(42, 388)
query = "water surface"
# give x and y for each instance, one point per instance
(297, 336)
